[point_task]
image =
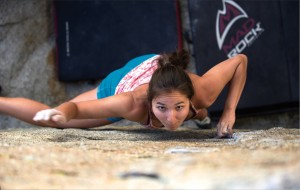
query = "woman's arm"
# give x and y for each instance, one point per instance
(233, 72)
(122, 105)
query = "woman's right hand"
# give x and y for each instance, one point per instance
(225, 125)
(50, 117)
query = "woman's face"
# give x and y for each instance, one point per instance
(171, 109)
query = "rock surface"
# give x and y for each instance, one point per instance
(133, 157)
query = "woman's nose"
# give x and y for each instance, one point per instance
(171, 116)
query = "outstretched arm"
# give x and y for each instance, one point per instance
(233, 72)
(122, 105)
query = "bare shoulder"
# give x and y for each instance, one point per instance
(200, 89)
(139, 104)
(126, 105)
(132, 106)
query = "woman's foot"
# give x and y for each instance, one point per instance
(204, 123)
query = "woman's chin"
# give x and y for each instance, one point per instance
(171, 128)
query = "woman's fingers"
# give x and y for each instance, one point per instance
(59, 119)
(224, 130)
(47, 115)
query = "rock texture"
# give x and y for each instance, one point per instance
(132, 157)
(27, 56)
(27, 53)
(26, 50)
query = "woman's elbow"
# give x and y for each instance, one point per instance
(243, 59)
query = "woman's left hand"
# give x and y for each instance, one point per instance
(50, 117)
(225, 125)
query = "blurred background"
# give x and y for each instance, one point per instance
(51, 51)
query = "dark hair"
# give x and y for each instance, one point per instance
(178, 58)
(171, 76)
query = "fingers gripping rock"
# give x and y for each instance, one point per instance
(224, 129)
(46, 115)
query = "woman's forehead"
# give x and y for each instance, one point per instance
(171, 96)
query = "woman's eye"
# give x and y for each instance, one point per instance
(161, 108)
(179, 107)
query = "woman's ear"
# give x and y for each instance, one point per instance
(150, 106)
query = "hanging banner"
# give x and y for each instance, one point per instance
(266, 31)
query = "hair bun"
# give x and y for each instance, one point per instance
(179, 58)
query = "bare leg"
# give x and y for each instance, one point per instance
(25, 109)
(202, 120)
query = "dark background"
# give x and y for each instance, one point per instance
(104, 35)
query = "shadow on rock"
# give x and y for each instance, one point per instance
(140, 134)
